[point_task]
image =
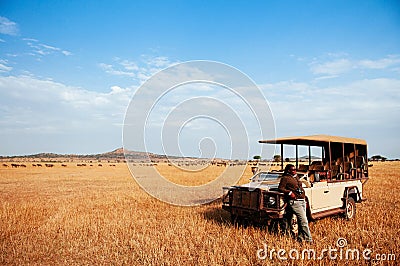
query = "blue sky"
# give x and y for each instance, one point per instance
(69, 68)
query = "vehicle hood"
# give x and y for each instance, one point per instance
(264, 185)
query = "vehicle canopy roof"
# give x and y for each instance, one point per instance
(314, 140)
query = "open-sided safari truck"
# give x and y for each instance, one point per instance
(333, 183)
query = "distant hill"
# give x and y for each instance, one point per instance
(305, 157)
(117, 154)
(120, 154)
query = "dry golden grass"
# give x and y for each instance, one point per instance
(187, 176)
(99, 215)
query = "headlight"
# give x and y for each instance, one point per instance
(271, 201)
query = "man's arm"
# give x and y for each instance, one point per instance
(282, 188)
(282, 185)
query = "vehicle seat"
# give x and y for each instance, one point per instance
(359, 167)
(315, 164)
(302, 168)
(318, 168)
(347, 171)
(336, 169)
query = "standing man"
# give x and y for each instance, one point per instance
(292, 187)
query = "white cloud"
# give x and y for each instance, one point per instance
(141, 70)
(235, 111)
(335, 67)
(110, 69)
(67, 53)
(359, 99)
(8, 27)
(33, 109)
(380, 63)
(41, 49)
(367, 109)
(326, 77)
(158, 62)
(30, 39)
(4, 67)
(287, 90)
(118, 90)
(128, 65)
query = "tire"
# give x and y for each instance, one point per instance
(234, 218)
(350, 209)
(237, 220)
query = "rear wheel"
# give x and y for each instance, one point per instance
(350, 209)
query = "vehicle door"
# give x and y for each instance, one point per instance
(336, 193)
(319, 196)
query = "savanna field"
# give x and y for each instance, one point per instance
(92, 215)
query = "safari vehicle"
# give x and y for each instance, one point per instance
(333, 183)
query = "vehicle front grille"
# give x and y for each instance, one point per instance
(245, 199)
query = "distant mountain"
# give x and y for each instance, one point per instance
(120, 154)
(305, 157)
(117, 154)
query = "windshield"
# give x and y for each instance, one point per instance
(260, 177)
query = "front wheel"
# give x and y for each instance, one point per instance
(237, 220)
(350, 211)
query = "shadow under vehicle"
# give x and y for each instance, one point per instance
(333, 183)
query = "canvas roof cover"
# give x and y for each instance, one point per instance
(314, 140)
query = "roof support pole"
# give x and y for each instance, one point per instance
(355, 156)
(355, 162)
(343, 161)
(281, 156)
(330, 157)
(297, 157)
(366, 159)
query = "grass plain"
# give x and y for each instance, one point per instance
(99, 215)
